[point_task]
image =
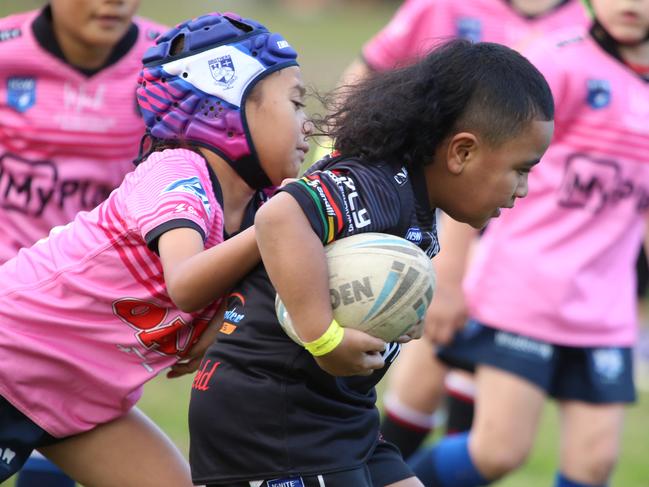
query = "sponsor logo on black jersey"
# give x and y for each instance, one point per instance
(9, 34)
(401, 177)
(415, 235)
(286, 482)
(204, 374)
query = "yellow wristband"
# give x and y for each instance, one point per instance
(329, 340)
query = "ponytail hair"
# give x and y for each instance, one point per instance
(402, 115)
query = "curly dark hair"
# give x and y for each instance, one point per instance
(403, 114)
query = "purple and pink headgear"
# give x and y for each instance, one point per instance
(195, 82)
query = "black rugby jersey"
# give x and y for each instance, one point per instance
(261, 407)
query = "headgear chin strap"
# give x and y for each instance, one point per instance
(195, 82)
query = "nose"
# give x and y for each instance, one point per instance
(523, 188)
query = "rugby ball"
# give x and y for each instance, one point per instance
(378, 283)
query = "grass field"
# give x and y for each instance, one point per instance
(327, 43)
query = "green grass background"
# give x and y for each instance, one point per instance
(327, 42)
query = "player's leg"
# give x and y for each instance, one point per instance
(128, 452)
(590, 442)
(592, 385)
(508, 409)
(460, 401)
(39, 471)
(512, 378)
(413, 394)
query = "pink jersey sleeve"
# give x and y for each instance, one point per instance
(401, 39)
(171, 194)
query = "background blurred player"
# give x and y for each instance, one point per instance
(416, 382)
(69, 125)
(552, 287)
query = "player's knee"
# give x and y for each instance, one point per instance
(600, 462)
(495, 460)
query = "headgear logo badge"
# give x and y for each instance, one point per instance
(223, 72)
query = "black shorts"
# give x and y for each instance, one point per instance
(597, 375)
(19, 436)
(384, 467)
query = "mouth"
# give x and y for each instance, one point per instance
(109, 20)
(630, 16)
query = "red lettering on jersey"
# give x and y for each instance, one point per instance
(175, 337)
(203, 376)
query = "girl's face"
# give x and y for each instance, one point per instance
(93, 24)
(626, 20)
(278, 124)
(493, 177)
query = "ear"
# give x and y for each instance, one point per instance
(461, 150)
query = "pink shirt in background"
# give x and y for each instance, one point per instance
(85, 318)
(561, 266)
(66, 140)
(419, 25)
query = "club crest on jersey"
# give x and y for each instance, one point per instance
(192, 186)
(469, 28)
(21, 93)
(599, 93)
(223, 72)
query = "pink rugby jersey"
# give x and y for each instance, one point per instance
(561, 266)
(419, 25)
(66, 139)
(85, 318)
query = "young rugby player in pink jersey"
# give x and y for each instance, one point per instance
(68, 123)
(552, 288)
(416, 384)
(103, 304)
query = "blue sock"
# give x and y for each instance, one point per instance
(447, 464)
(562, 481)
(39, 471)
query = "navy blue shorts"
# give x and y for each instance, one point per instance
(384, 467)
(19, 436)
(597, 375)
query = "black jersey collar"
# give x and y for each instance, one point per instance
(44, 34)
(418, 178)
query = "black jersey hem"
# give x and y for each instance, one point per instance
(272, 475)
(152, 237)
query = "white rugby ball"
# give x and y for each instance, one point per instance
(378, 283)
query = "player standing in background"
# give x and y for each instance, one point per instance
(552, 286)
(469, 119)
(103, 304)
(416, 382)
(69, 125)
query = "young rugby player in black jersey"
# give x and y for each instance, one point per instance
(459, 131)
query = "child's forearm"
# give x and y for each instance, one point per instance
(295, 261)
(205, 276)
